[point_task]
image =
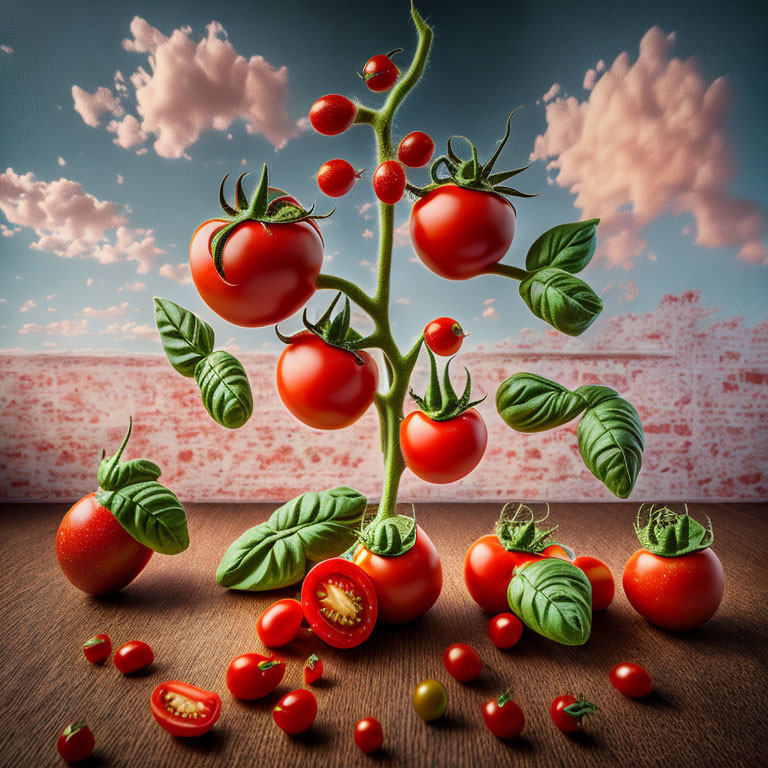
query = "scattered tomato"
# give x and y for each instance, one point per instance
(183, 709)
(631, 680)
(601, 579)
(313, 669)
(430, 700)
(332, 114)
(98, 648)
(133, 656)
(296, 711)
(416, 149)
(368, 735)
(280, 623)
(76, 742)
(462, 662)
(505, 630)
(253, 676)
(336, 177)
(379, 72)
(567, 712)
(444, 336)
(389, 182)
(503, 717)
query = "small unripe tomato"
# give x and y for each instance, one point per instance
(444, 336)
(416, 149)
(389, 182)
(332, 114)
(430, 700)
(336, 177)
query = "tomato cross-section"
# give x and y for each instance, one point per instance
(184, 709)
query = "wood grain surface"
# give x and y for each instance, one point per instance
(709, 707)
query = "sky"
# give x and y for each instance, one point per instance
(119, 121)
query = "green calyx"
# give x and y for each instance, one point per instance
(504, 698)
(390, 537)
(266, 207)
(311, 661)
(441, 403)
(581, 708)
(73, 728)
(114, 474)
(93, 641)
(520, 533)
(263, 665)
(370, 75)
(672, 534)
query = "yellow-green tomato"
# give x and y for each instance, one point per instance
(430, 700)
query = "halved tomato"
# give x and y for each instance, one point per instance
(184, 709)
(339, 602)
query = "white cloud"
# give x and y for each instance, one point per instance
(62, 161)
(91, 106)
(62, 328)
(180, 273)
(89, 281)
(368, 234)
(120, 86)
(365, 263)
(551, 93)
(6, 49)
(364, 210)
(106, 314)
(488, 301)
(132, 287)
(402, 235)
(130, 330)
(402, 300)
(9, 231)
(27, 305)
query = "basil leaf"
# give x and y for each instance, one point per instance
(111, 476)
(186, 338)
(567, 246)
(310, 528)
(595, 393)
(151, 514)
(530, 403)
(611, 443)
(225, 389)
(553, 598)
(568, 304)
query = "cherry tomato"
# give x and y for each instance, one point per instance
(488, 569)
(183, 709)
(416, 149)
(340, 602)
(601, 579)
(389, 182)
(270, 270)
(253, 676)
(503, 717)
(332, 114)
(444, 336)
(296, 711)
(408, 585)
(280, 623)
(97, 649)
(631, 680)
(379, 73)
(459, 233)
(133, 656)
(95, 552)
(323, 386)
(336, 177)
(443, 451)
(560, 551)
(462, 662)
(677, 593)
(313, 669)
(368, 735)
(505, 630)
(430, 700)
(76, 742)
(567, 712)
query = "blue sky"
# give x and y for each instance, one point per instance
(483, 65)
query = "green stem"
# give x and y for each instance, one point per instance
(506, 270)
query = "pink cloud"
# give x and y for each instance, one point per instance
(62, 161)
(91, 106)
(368, 234)
(402, 235)
(402, 300)
(128, 132)
(649, 140)
(489, 312)
(488, 301)
(106, 314)
(130, 330)
(6, 49)
(62, 328)
(590, 78)
(364, 210)
(132, 287)
(27, 305)
(551, 93)
(180, 273)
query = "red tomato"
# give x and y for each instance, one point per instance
(462, 662)
(98, 648)
(280, 623)
(444, 336)
(505, 630)
(332, 114)
(503, 717)
(95, 552)
(459, 233)
(407, 585)
(76, 742)
(443, 451)
(389, 182)
(677, 593)
(340, 603)
(183, 709)
(253, 676)
(416, 149)
(336, 177)
(133, 656)
(566, 721)
(313, 669)
(601, 579)
(559, 551)
(631, 680)
(324, 386)
(379, 73)
(296, 711)
(368, 735)
(272, 270)
(488, 569)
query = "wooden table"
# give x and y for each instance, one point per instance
(709, 707)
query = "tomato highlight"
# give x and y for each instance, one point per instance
(368, 735)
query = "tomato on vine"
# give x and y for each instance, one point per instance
(444, 336)
(416, 149)
(313, 669)
(503, 717)
(76, 742)
(567, 712)
(601, 580)
(296, 711)
(368, 735)
(253, 676)
(632, 680)
(462, 662)
(280, 623)
(380, 73)
(336, 177)
(332, 114)
(389, 182)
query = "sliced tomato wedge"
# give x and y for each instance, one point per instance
(339, 602)
(184, 709)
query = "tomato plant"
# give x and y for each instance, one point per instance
(336, 177)
(430, 700)
(444, 336)
(632, 680)
(183, 709)
(253, 676)
(379, 72)
(97, 649)
(340, 602)
(415, 149)
(280, 623)
(389, 182)
(503, 717)
(567, 712)
(462, 662)
(601, 579)
(76, 742)
(296, 711)
(313, 669)
(368, 735)
(332, 114)
(505, 630)
(133, 656)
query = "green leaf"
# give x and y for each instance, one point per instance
(530, 403)
(114, 474)
(225, 389)
(186, 338)
(151, 514)
(310, 528)
(611, 441)
(567, 246)
(562, 300)
(553, 598)
(594, 394)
